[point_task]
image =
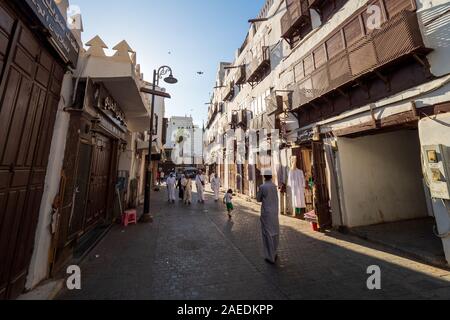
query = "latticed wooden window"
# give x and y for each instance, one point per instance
(309, 65)
(335, 45)
(353, 31)
(394, 7)
(320, 56)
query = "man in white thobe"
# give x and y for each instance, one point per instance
(215, 186)
(200, 184)
(270, 220)
(171, 188)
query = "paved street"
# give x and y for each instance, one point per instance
(197, 253)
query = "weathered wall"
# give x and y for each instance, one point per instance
(381, 178)
(432, 132)
(39, 263)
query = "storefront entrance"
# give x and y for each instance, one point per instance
(30, 80)
(311, 160)
(383, 190)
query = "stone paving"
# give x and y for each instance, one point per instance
(197, 253)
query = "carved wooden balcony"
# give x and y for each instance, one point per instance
(241, 76)
(229, 92)
(297, 16)
(397, 39)
(258, 67)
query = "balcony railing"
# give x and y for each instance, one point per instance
(258, 67)
(296, 17)
(397, 38)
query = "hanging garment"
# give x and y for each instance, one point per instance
(297, 185)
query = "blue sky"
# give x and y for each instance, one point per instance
(198, 34)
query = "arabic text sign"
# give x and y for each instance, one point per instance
(61, 36)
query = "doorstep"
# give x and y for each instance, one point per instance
(46, 291)
(413, 238)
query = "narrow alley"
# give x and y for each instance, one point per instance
(196, 253)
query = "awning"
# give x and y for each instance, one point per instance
(122, 82)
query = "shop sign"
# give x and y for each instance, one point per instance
(305, 136)
(60, 35)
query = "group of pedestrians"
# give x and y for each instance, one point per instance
(267, 195)
(184, 186)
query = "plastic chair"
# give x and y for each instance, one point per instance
(128, 217)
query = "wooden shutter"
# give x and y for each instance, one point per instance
(353, 31)
(394, 7)
(320, 57)
(309, 65)
(335, 45)
(322, 198)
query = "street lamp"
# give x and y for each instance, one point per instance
(170, 79)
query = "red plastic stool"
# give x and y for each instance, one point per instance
(129, 216)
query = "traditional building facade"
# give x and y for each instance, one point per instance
(38, 57)
(71, 121)
(357, 91)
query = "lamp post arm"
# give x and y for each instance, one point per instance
(162, 71)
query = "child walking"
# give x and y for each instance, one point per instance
(228, 200)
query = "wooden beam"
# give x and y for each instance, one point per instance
(343, 93)
(403, 118)
(156, 93)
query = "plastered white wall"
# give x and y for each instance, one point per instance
(434, 20)
(381, 178)
(434, 131)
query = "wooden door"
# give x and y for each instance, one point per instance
(100, 188)
(29, 95)
(322, 197)
(80, 200)
(245, 179)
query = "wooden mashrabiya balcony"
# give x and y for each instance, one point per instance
(398, 38)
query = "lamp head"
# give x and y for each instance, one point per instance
(171, 79)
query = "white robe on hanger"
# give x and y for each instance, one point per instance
(297, 185)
